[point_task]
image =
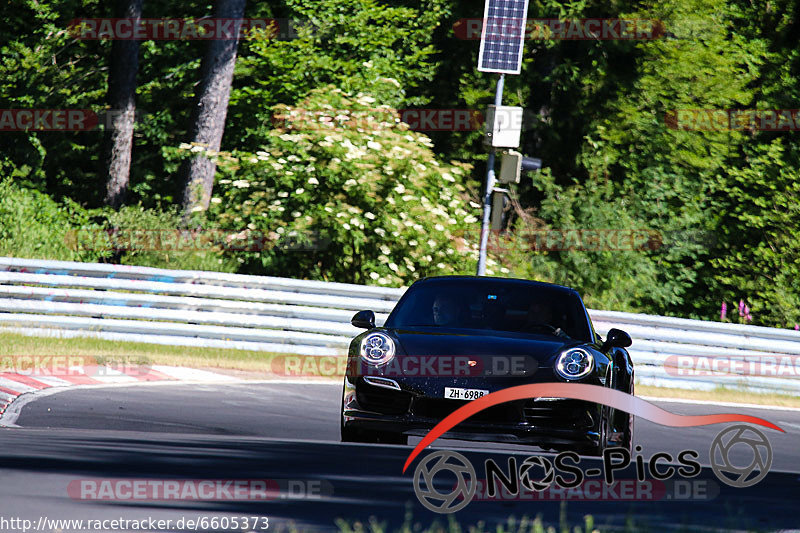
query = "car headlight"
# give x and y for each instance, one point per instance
(377, 348)
(575, 363)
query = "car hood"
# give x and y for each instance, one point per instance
(440, 341)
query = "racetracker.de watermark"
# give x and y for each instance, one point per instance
(173, 489)
(73, 366)
(551, 240)
(782, 366)
(573, 239)
(48, 120)
(405, 366)
(589, 239)
(77, 120)
(598, 490)
(151, 489)
(733, 119)
(419, 119)
(586, 29)
(185, 240)
(179, 29)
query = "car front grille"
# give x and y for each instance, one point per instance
(381, 400)
(559, 413)
(440, 408)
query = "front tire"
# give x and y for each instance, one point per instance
(627, 435)
(596, 450)
(351, 434)
(373, 437)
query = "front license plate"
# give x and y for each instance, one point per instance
(454, 393)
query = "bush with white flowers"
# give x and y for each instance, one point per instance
(344, 191)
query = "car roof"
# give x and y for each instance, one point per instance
(434, 279)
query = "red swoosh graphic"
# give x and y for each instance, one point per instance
(578, 391)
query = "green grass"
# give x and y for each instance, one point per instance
(450, 525)
(721, 394)
(258, 363)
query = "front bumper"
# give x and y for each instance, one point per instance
(414, 410)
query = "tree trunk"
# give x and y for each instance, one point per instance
(118, 136)
(211, 108)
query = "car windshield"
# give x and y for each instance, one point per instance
(492, 305)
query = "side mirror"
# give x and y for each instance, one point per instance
(618, 339)
(364, 319)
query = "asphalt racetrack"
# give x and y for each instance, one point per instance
(289, 433)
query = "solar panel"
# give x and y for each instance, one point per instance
(502, 36)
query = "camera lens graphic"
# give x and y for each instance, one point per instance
(722, 461)
(529, 466)
(459, 496)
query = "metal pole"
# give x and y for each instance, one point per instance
(490, 180)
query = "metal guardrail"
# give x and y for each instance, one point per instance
(210, 309)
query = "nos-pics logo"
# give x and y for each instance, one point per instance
(454, 464)
(457, 480)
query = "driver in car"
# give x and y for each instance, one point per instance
(541, 314)
(445, 310)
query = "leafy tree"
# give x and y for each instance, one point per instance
(208, 118)
(345, 192)
(756, 200)
(355, 45)
(43, 67)
(122, 100)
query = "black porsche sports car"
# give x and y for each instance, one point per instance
(456, 338)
